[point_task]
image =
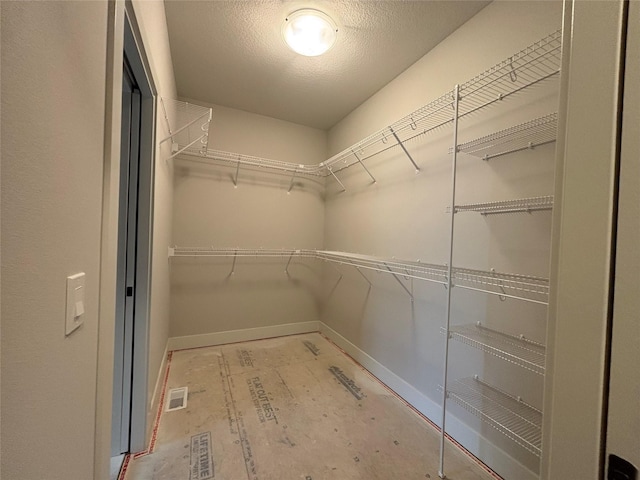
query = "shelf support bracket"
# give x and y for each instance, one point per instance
(363, 166)
(235, 179)
(173, 134)
(286, 269)
(364, 276)
(175, 154)
(233, 265)
(295, 171)
(406, 152)
(337, 179)
(399, 281)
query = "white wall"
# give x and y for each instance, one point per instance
(403, 215)
(260, 213)
(53, 107)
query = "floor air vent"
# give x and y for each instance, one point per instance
(177, 399)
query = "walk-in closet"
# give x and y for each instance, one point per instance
(406, 251)
(418, 241)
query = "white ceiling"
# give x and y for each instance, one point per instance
(232, 53)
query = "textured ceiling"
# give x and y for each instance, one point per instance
(232, 53)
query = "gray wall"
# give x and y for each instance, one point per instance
(403, 215)
(210, 211)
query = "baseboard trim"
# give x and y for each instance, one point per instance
(471, 440)
(408, 392)
(157, 393)
(233, 336)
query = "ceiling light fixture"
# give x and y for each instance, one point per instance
(309, 32)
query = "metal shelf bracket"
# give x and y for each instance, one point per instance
(399, 281)
(405, 149)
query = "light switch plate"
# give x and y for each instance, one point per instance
(75, 302)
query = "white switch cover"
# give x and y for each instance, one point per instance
(75, 302)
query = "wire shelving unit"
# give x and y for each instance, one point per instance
(399, 269)
(522, 205)
(518, 350)
(188, 126)
(533, 66)
(506, 413)
(505, 285)
(526, 136)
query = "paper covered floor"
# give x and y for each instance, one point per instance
(289, 408)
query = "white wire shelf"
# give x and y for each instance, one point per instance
(522, 205)
(401, 268)
(505, 285)
(398, 268)
(237, 252)
(534, 133)
(188, 126)
(259, 162)
(531, 66)
(518, 350)
(427, 118)
(509, 415)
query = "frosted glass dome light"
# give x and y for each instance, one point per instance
(309, 32)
